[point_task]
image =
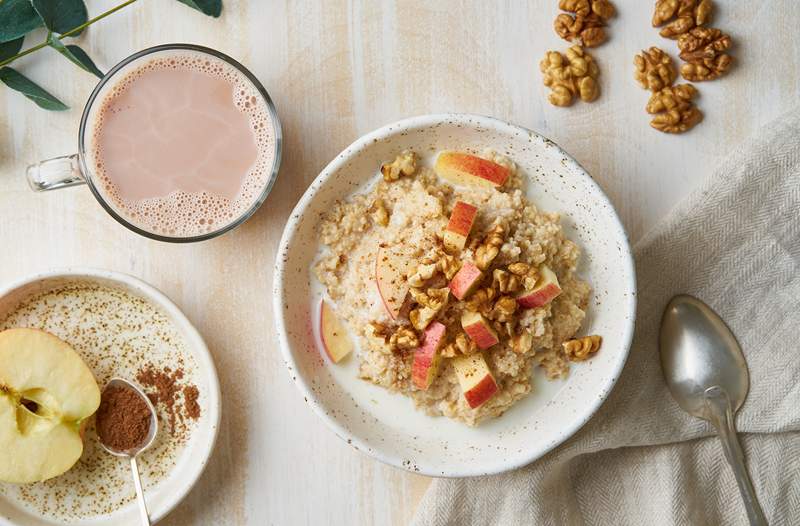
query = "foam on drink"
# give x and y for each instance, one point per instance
(182, 144)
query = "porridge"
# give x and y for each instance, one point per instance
(454, 285)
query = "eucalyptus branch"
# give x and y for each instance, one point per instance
(71, 32)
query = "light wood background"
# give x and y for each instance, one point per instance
(336, 70)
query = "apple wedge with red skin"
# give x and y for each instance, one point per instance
(458, 227)
(463, 168)
(546, 289)
(392, 265)
(478, 329)
(465, 281)
(334, 336)
(475, 378)
(427, 357)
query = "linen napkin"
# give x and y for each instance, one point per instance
(641, 460)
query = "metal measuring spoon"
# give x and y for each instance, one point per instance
(131, 453)
(707, 375)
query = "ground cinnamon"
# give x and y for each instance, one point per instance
(123, 419)
(176, 399)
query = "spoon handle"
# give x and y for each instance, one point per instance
(719, 406)
(145, 517)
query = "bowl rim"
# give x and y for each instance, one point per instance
(341, 159)
(196, 342)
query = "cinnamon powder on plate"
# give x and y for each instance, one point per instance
(123, 419)
(175, 398)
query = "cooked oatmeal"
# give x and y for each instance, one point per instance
(511, 248)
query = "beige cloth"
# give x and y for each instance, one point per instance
(641, 460)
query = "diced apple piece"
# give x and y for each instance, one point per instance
(546, 289)
(427, 357)
(475, 379)
(457, 229)
(46, 394)
(334, 335)
(391, 274)
(463, 168)
(465, 281)
(478, 329)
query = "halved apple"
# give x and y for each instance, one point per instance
(465, 281)
(392, 266)
(334, 335)
(457, 230)
(46, 394)
(475, 378)
(463, 168)
(546, 289)
(478, 329)
(427, 357)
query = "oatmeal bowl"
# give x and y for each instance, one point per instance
(454, 295)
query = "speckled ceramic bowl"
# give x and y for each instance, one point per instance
(387, 426)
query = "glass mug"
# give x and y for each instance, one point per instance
(148, 194)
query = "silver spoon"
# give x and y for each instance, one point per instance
(131, 453)
(707, 375)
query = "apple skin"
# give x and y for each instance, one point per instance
(465, 281)
(475, 378)
(335, 339)
(427, 357)
(479, 330)
(392, 265)
(463, 168)
(546, 289)
(459, 225)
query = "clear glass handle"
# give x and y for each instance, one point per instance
(52, 174)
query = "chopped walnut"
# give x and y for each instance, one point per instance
(579, 349)
(504, 281)
(654, 69)
(403, 338)
(404, 164)
(519, 268)
(378, 335)
(448, 265)
(703, 48)
(528, 274)
(522, 343)
(379, 213)
(481, 301)
(461, 345)
(490, 247)
(680, 16)
(572, 76)
(423, 273)
(503, 309)
(431, 302)
(673, 109)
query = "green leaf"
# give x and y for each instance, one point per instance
(60, 16)
(208, 7)
(17, 18)
(11, 48)
(19, 82)
(75, 54)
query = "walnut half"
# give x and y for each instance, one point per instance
(570, 76)
(680, 16)
(654, 69)
(673, 109)
(587, 22)
(704, 51)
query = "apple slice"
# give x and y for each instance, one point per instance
(546, 289)
(463, 168)
(475, 379)
(465, 281)
(46, 394)
(392, 266)
(335, 339)
(457, 229)
(478, 329)
(427, 357)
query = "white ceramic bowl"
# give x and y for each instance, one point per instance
(193, 458)
(387, 426)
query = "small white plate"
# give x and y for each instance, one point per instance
(163, 492)
(387, 426)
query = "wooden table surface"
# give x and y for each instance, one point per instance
(337, 70)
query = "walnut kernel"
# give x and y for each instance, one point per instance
(403, 338)
(570, 76)
(504, 281)
(654, 69)
(503, 309)
(673, 109)
(488, 250)
(404, 164)
(680, 16)
(703, 48)
(579, 349)
(379, 213)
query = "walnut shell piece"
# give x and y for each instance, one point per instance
(579, 349)
(704, 51)
(654, 69)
